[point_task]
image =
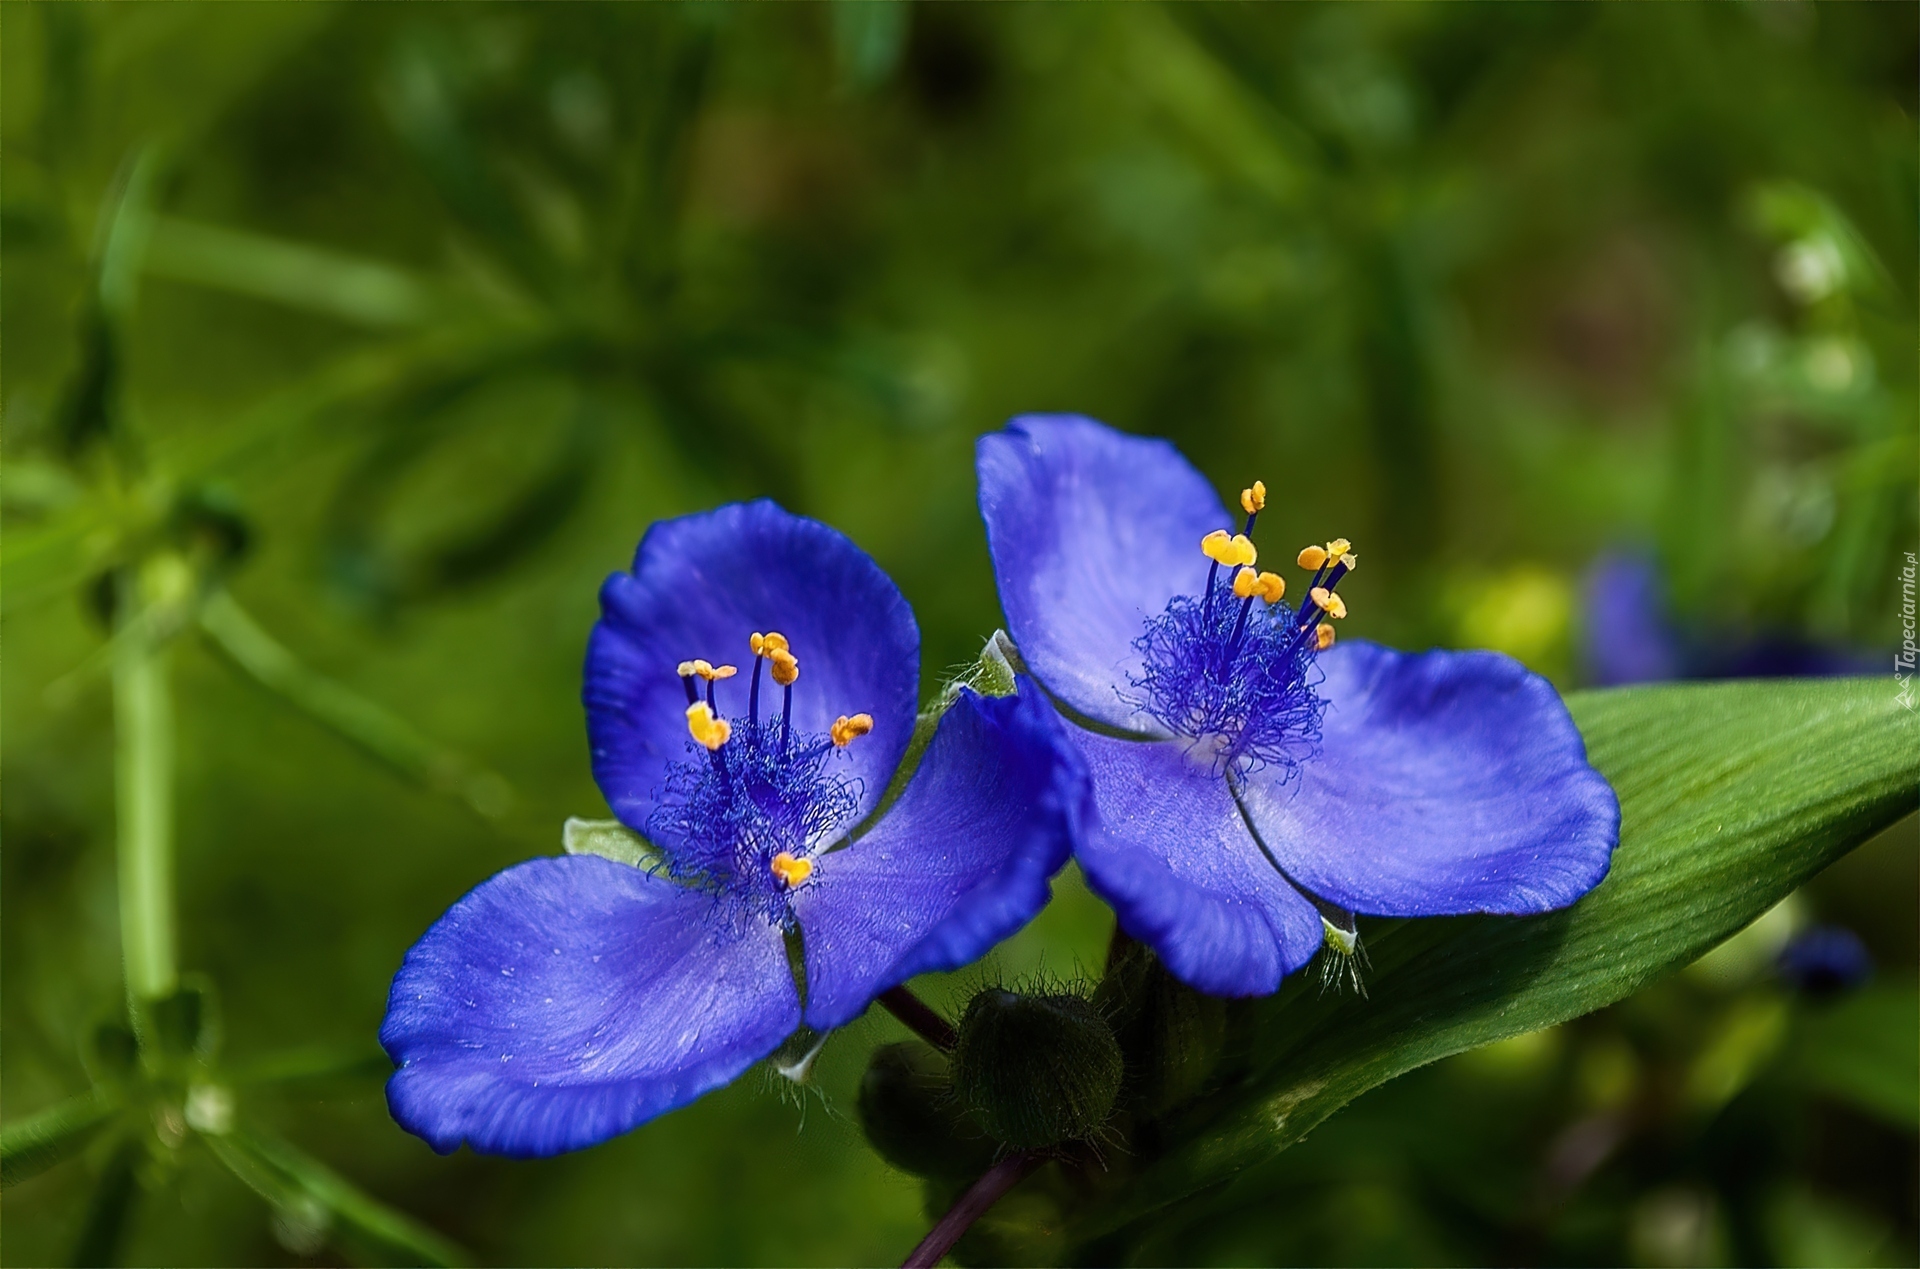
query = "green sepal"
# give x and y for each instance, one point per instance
(1037, 1070)
(1173, 1037)
(912, 1118)
(609, 839)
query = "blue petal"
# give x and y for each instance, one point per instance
(1628, 638)
(567, 1000)
(700, 585)
(960, 862)
(1092, 531)
(1168, 849)
(1446, 782)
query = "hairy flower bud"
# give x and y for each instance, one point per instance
(1038, 1070)
(912, 1118)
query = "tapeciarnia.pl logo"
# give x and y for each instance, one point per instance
(1903, 659)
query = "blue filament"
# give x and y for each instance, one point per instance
(1250, 691)
(719, 825)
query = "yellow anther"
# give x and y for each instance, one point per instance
(707, 670)
(1328, 602)
(1254, 499)
(1340, 551)
(845, 729)
(791, 871)
(1311, 557)
(686, 669)
(765, 645)
(1246, 584)
(785, 668)
(1323, 637)
(1272, 587)
(708, 730)
(1231, 549)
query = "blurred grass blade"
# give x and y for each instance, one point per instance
(368, 725)
(34, 1144)
(1862, 1051)
(349, 287)
(318, 1064)
(267, 1163)
(1731, 796)
(104, 1229)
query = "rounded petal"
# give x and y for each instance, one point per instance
(568, 1000)
(1447, 782)
(1167, 848)
(1092, 531)
(700, 586)
(960, 862)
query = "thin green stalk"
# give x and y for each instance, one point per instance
(143, 779)
(370, 726)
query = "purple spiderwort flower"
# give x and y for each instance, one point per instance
(568, 999)
(1255, 786)
(1631, 637)
(1825, 961)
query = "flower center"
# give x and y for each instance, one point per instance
(746, 817)
(1233, 669)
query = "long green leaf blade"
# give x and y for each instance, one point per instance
(1731, 796)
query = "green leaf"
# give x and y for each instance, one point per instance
(610, 839)
(34, 1144)
(1731, 796)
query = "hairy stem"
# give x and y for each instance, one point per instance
(980, 1196)
(919, 1018)
(143, 788)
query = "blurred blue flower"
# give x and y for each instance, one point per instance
(1630, 637)
(567, 1000)
(1248, 776)
(1825, 961)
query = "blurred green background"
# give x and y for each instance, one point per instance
(372, 338)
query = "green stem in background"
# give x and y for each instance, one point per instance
(143, 786)
(362, 722)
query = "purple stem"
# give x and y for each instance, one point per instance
(753, 694)
(980, 1196)
(919, 1018)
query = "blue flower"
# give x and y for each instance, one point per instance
(1249, 776)
(1630, 637)
(568, 999)
(1825, 961)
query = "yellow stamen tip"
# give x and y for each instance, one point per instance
(756, 641)
(765, 645)
(1246, 584)
(1273, 587)
(1312, 557)
(1323, 638)
(791, 871)
(786, 669)
(1254, 499)
(1234, 550)
(684, 669)
(705, 728)
(720, 672)
(846, 729)
(1328, 602)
